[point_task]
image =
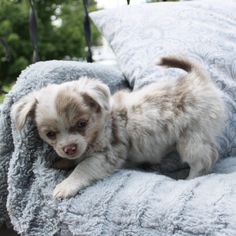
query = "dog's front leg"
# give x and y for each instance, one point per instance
(91, 169)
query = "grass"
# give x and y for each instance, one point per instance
(6, 88)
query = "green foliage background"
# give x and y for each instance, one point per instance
(54, 41)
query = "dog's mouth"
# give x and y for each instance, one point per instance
(70, 157)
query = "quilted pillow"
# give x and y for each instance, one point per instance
(139, 34)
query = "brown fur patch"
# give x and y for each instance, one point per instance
(115, 135)
(153, 98)
(184, 97)
(91, 102)
(70, 108)
(175, 62)
(179, 104)
(169, 100)
(123, 114)
(66, 103)
(47, 125)
(118, 117)
(93, 137)
(181, 94)
(23, 109)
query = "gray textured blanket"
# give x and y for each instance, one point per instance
(131, 202)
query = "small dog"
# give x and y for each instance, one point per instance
(83, 122)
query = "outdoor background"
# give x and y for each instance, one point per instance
(60, 34)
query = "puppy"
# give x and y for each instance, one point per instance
(82, 122)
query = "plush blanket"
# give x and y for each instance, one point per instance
(130, 202)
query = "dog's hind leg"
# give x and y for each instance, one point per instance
(200, 154)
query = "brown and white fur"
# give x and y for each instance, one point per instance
(82, 122)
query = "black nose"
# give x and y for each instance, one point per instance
(70, 149)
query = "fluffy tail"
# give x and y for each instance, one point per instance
(185, 64)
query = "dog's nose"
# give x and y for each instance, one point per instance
(70, 149)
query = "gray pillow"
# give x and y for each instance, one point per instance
(139, 34)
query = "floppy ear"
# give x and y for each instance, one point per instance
(24, 108)
(97, 95)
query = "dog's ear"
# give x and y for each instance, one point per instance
(97, 95)
(24, 108)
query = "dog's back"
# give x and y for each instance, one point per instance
(187, 112)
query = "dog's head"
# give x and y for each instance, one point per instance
(69, 116)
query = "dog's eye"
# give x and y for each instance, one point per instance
(81, 124)
(51, 135)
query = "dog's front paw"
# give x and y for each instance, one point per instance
(65, 189)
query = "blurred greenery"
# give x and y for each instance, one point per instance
(60, 34)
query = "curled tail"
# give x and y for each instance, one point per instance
(185, 64)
